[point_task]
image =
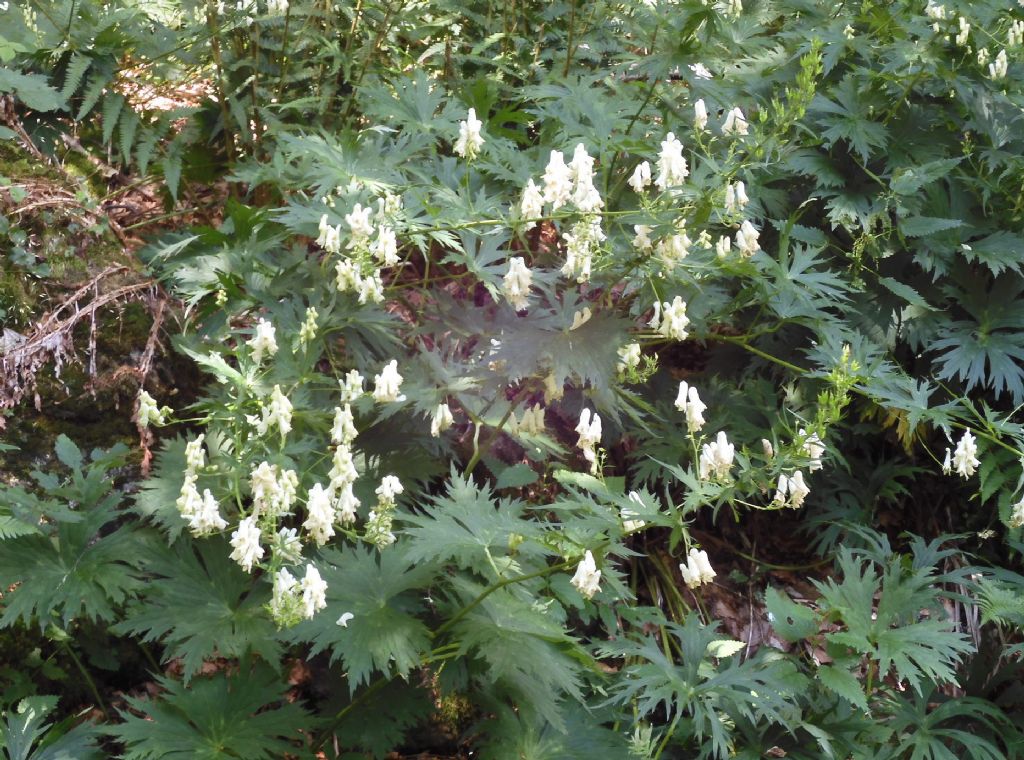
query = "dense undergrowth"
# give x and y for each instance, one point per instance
(581, 380)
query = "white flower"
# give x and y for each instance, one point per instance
(385, 247)
(642, 240)
(734, 8)
(278, 415)
(378, 528)
(697, 569)
(798, 490)
(716, 458)
(283, 597)
(387, 383)
(370, 289)
(674, 248)
(746, 239)
(584, 196)
(735, 197)
(343, 430)
(1017, 516)
(768, 449)
(359, 223)
(629, 357)
(330, 237)
(947, 463)
(390, 486)
(308, 330)
(470, 140)
(314, 592)
(344, 619)
(319, 515)
(590, 435)
(983, 56)
(580, 243)
(189, 501)
(149, 413)
(688, 401)
(517, 283)
(557, 181)
(849, 32)
(700, 115)
(671, 164)
(206, 518)
(965, 458)
(351, 386)
(812, 447)
(195, 454)
(641, 177)
(735, 123)
(964, 33)
(532, 423)
(580, 317)
(1015, 35)
(263, 342)
(935, 12)
(532, 204)
(997, 69)
(343, 469)
(347, 276)
(700, 71)
(246, 544)
(273, 489)
(670, 319)
(347, 505)
(442, 420)
(723, 246)
(587, 579)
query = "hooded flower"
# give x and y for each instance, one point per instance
(641, 177)
(965, 458)
(589, 430)
(470, 140)
(517, 283)
(319, 515)
(263, 341)
(700, 115)
(672, 168)
(697, 569)
(387, 383)
(245, 543)
(587, 579)
(532, 204)
(735, 123)
(557, 181)
(688, 402)
(442, 420)
(716, 458)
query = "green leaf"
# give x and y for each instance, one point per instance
(908, 181)
(25, 735)
(68, 453)
(998, 251)
(245, 715)
(791, 621)
(32, 89)
(200, 604)
(384, 594)
(922, 226)
(516, 476)
(843, 683)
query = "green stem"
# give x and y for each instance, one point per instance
(88, 679)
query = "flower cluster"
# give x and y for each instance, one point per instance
(293, 600)
(716, 458)
(386, 385)
(378, 525)
(791, 491)
(531, 424)
(517, 283)
(688, 401)
(278, 414)
(263, 341)
(201, 512)
(148, 412)
(965, 459)
(697, 569)
(670, 319)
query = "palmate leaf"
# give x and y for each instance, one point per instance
(201, 604)
(244, 715)
(468, 527)
(383, 592)
(798, 287)
(524, 649)
(25, 734)
(78, 571)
